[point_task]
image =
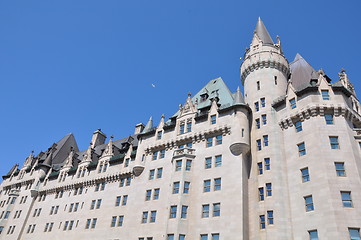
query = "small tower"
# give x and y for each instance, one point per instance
(264, 70)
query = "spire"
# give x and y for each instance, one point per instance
(69, 159)
(47, 161)
(109, 149)
(29, 160)
(88, 156)
(149, 125)
(238, 98)
(262, 32)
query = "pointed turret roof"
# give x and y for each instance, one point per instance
(301, 73)
(238, 98)
(149, 125)
(262, 32)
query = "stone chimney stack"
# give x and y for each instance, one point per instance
(98, 138)
(139, 128)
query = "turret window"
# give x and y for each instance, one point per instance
(354, 233)
(213, 119)
(313, 235)
(267, 164)
(263, 102)
(264, 119)
(309, 203)
(256, 106)
(265, 140)
(329, 119)
(259, 144)
(298, 126)
(334, 143)
(159, 135)
(261, 194)
(258, 124)
(325, 95)
(293, 103)
(305, 175)
(301, 149)
(340, 169)
(346, 199)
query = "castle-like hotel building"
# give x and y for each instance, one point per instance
(281, 162)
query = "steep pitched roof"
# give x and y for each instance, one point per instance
(262, 32)
(301, 73)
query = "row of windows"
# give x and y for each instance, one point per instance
(217, 140)
(179, 163)
(37, 212)
(31, 228)
(117, 221)
(17, 214)
(325, 96)
(261, 191)
(354, 234)
(339, 166)
(206, 210)
(95, 204)
(152, 216)
(148, 194)
(328, 119)
(161, 154)
(262, 219)
(259, 142)
(217, 161)
(345, 198)
(217, 185)
(119, 200)
(263, 120)
(173, 211)
(152, 173)
(176, 187)
(334, 144)
(257, 105)
(265, 165)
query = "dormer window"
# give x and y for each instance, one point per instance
(204, 97)
(159, 135)
(189, 126)
(213, 119)
(293, 103)
(181, 128)
(325, 95)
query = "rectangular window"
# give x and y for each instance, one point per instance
(346, 199)
(309, 203)
(181, 128)
(170, 237)
(178, 165)
(173, 212)
(186, 187)
(301, 149)
(263, 102)
(159, 135)
(268, 189)
(209, 142)
(217, 184)
(218, 161)
(205, 211)
(99, 202)
(94, 223)
(122, 182)
(264, 119)
(216, 209)
(153, 216)
(334, 143)
(144, 217)
(162, 153)
(184, 211)
(354, 233)
(156, 194)
(325, 95)
(155, 156)
(188, 165)
(208, 163)
(261, 193)
(176, 187)
(298, 126)
(267, 164)
(256, 106)
(125, 199)
(265, 140)
(262, 222)
(258, 85)
(148, 195)
(151, 174)
(120, 221)
(92, 206)
(206, 185)
(258, 124)
(117, 201)
(259, 144)
(329, 119)
(340, 169)
(159, 172)
(305, 175)
(219, 140)
(313, 235)
(204, 236)
(126, 164)
(87, 225)
(189, 126)
(260, 168)
(213, 119)
(114, 221)
(270, 217)
(189, 145)
(182, 237)
(293, 103)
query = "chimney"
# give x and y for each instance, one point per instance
(139, 128)
(98, 138)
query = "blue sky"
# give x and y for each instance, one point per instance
(76, 66)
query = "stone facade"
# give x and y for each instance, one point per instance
(282, 162)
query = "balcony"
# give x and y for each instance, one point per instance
(184, 152)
